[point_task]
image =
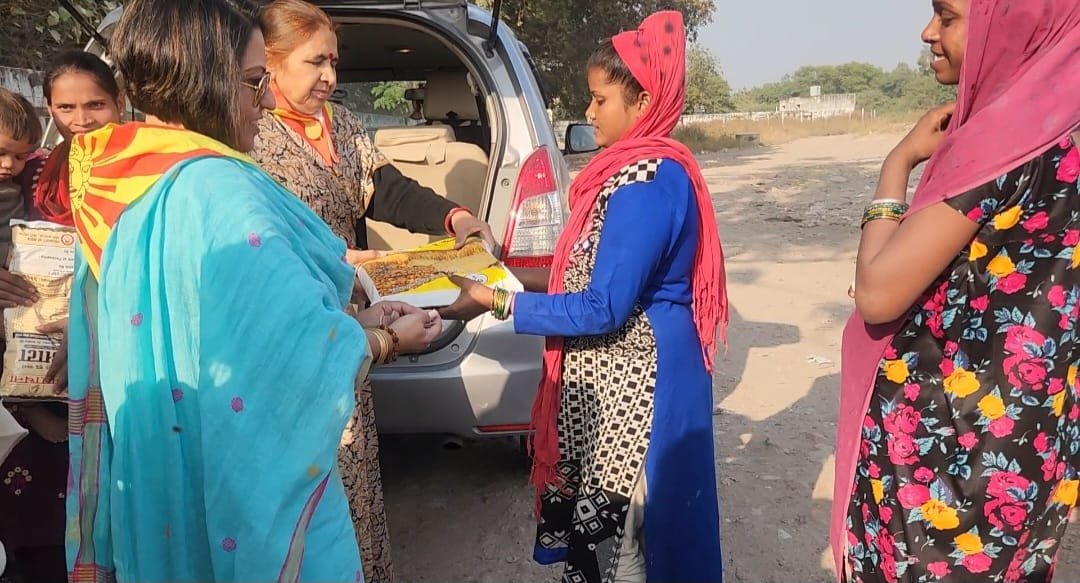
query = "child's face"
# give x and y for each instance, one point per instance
(13, 156)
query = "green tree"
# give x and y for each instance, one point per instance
(706, 89)
(35, 31)
(390, 96)
(561, 34)
(903, 89)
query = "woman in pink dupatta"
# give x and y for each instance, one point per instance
(958, 449)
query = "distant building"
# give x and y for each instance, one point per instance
(818, 105)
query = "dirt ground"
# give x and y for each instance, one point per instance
(789, 222)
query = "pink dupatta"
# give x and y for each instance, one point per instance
(1019, 95)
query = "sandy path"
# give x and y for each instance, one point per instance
(788, 218)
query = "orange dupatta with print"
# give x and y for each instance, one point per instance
(111, 168)
(316, 130)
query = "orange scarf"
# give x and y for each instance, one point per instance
(313, 129)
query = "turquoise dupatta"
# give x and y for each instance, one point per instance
(204, 438)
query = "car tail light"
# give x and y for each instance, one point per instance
(536, 219)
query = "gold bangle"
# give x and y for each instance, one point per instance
(510, 303)
(381, 345)
(394, 341)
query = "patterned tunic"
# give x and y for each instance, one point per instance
(340, 195)
(636, 400)
(968, 468)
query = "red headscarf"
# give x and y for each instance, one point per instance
(51, 198)
(656, 55)
(1019, 90)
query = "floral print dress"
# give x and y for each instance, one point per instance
(969, 465)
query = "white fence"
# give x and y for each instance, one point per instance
(724, 118)
(28, 84)
(820, 106)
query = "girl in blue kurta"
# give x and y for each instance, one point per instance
(631, 311)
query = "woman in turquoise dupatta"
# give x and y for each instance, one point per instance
(211, 363)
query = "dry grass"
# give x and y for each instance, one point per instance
(715, 136)
(701, 138)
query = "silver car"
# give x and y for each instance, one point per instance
(480, 131)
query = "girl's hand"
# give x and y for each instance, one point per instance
(15, 290)
(925, 138)
(474, 300)
(58, 369)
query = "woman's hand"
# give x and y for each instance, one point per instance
(475, 299)
(925, 138)
(58, 369)
(357, 257)
(465, 225)
(417, 331)
(50, 426)
(15, 290)
(359, 296)
(385, 314)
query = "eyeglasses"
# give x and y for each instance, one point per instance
(259, 88)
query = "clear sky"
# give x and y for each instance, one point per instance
(757, 41)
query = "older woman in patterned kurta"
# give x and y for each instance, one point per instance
(959, 442)
(321, 152)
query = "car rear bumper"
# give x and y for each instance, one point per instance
(489, 392)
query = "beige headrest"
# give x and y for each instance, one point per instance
(447, 92)
(390, 137)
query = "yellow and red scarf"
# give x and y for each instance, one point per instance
(112, 167)
(313, 129)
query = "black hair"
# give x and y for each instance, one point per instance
(607, 59)
(18, 119)
(181, 61)
(85, 63)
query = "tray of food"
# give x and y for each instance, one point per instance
(419, 276)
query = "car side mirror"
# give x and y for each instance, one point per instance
(580, 139)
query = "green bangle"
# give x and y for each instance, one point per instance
(884, 209)
(500, 304)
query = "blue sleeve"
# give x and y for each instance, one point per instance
(642, 223)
